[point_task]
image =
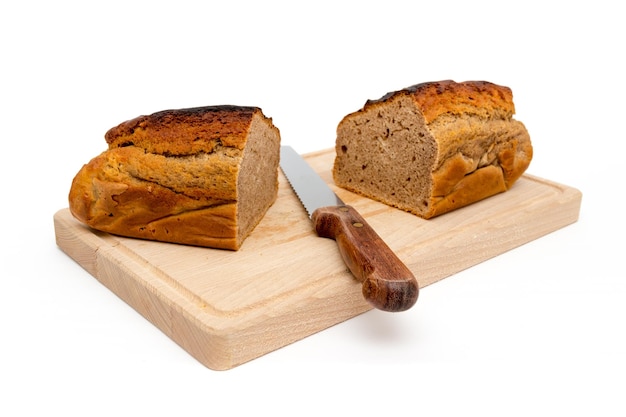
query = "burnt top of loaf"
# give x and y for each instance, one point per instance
(481, 98)
(186, 131)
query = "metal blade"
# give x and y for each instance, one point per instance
(310, 188)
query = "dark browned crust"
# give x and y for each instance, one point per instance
(482, 98)
(185, 131)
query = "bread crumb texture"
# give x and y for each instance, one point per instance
(201, 176)
(433, 147)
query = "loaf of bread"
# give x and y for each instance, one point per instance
(433, 147)
(200, 176)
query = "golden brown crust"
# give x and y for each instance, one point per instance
(173, 177)
(481, 98)
(433, 147)
(185, 131)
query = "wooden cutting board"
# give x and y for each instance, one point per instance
(226, 308)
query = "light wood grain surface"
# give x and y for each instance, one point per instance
(226, 308)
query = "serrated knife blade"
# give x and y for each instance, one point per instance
(387, 283)
(310, 188)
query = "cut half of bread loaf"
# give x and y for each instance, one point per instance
(433, 147)
(200, 176)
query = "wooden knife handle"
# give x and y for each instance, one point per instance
(387, 283)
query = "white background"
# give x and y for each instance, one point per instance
(536, 331)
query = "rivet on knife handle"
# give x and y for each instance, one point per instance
(387, 283)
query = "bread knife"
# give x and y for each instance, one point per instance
(387, 283)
